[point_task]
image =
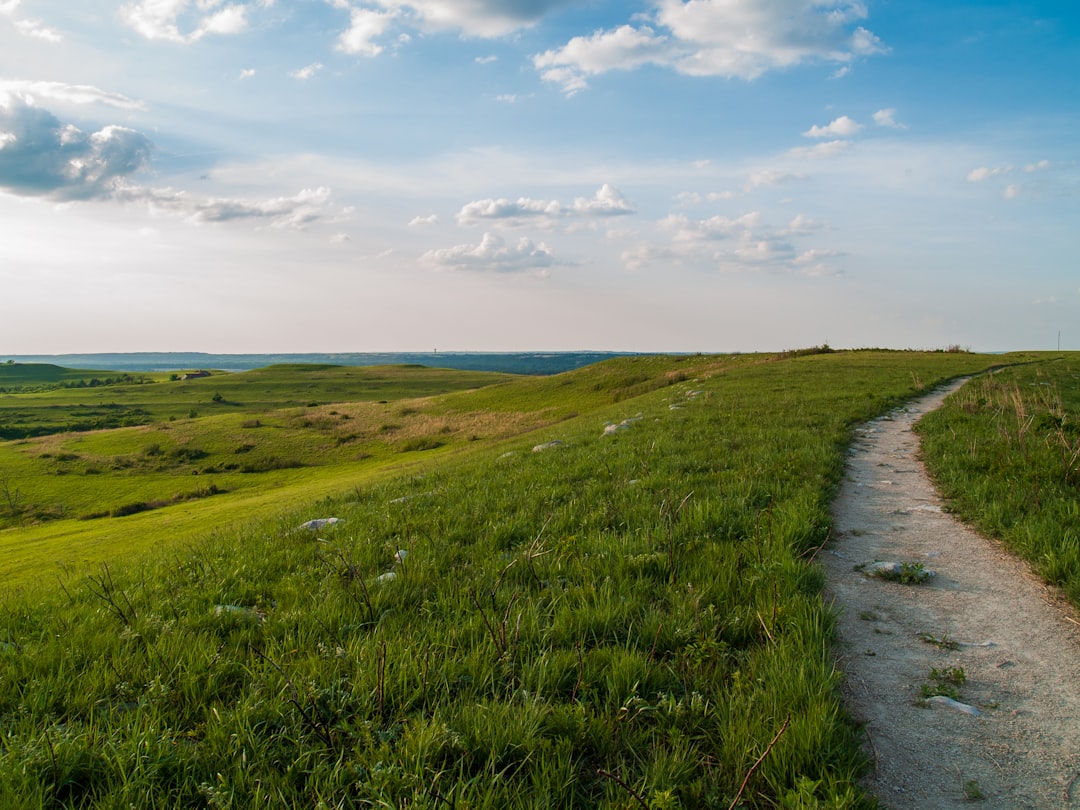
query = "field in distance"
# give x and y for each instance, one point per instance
(629, 617)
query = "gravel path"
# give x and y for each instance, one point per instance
(1017, 643)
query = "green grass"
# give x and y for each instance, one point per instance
(1005, 450)
(616, 620)
(37, 410)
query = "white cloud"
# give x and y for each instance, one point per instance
(44, 157)
(305, 73)
(814, 263)
(711, 229)
(803, 224)
(825, 149)
(606, 202)
(247, 73)
(624, 48)
(842, 127)
(507, 98)
(985, 173)
(68, 93)
(734, 244)
(887, 118)
(365, 25)
(430, 219)
(231, 20)
(733, 38)
(494, 255)
(340, 239)
(33, 28)
(283, 213)
(28, 28)
(1042, 165)
(370, 19)
(866, 43)
(772, 177)
(164, 19)
(480, 18)
(486, 60)
(1011, 192)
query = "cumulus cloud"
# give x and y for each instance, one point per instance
(730, 244)
(624, 48)
(67, 93)
(185, 21)
(26, 27)
(283, 213)
(606, 202)
(480, 18)
(732, 38)
(825, 149)
(986, 172)
(815, 263)
(842, 127)
(365, 26)
(305, 73)
(772, 177)
(694, 197)
(493, 254)
(372, 19)
(887, 118)
(418, 222)
(42, 156)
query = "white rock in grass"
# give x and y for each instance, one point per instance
(547, 446)
(942, 700)
(885, 568)
(318, 523)
(238, 610)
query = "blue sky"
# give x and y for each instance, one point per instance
(378, 175)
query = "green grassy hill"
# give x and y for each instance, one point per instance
(590, 590)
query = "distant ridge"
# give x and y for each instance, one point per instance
(507, 362)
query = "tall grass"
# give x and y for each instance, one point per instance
(615, 621)
(1005, 450)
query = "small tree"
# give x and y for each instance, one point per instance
(12, 496)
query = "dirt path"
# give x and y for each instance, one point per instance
(1018, 645)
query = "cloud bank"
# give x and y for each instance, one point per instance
(186, 21)
(608, 201)
(494, 255)
(732, 38)
(42, 156)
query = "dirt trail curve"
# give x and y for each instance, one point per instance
(1018, 644)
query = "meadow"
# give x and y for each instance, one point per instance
(1005, 450)
(595, 589)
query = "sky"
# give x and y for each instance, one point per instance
(515, 175)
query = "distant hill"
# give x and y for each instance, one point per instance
(23, 373)
(506, 362)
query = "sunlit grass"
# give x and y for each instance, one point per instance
(619, 619)
(1006, 451)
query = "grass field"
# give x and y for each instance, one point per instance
(1005, 450)
(607, 598)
